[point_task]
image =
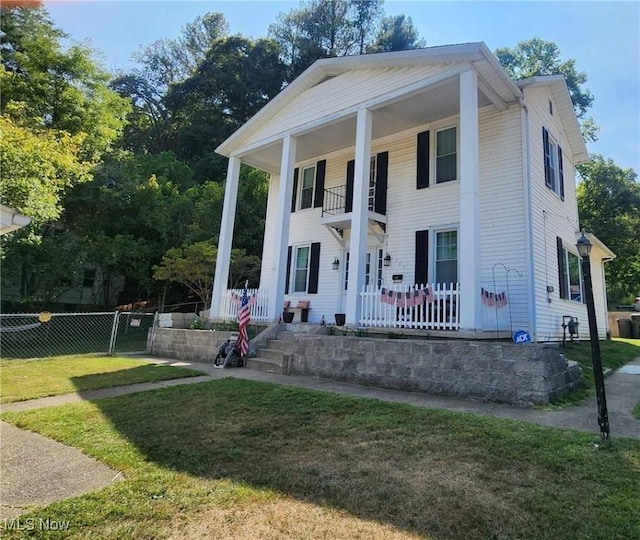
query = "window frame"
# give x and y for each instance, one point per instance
(302, 189)
(554, 156)
(434, 151)
(294, 268)
(89, 276)
(568, 294)
(434, 253)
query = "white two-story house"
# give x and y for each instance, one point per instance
(419, 189)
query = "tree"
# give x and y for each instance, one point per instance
(396, 33)
(38, 166)
(539, 57)
(164, 63)
(609, 206)
(235, 80)
(323, 29)
(61, 89)
(191, 266)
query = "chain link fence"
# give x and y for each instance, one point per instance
(40, 335)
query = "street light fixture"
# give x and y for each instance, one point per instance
(584, 249)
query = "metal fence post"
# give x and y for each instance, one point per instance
(114, 333)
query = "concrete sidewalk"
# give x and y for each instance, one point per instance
(65, 472)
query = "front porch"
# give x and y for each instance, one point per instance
(420, 310)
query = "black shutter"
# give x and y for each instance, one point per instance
(351, 169)
(318, 197)
(547, 159)
(288, 276)
(295, 189)
(314, 268)
(561, 172)
(562, 283)
(421, 274)
(422, 161)
(382, 166)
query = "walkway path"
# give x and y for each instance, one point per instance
(63, 472)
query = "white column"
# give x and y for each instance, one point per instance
(359, 216)
(469, 242)
(221, 276)
(283, 218)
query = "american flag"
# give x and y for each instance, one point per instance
(244, 317)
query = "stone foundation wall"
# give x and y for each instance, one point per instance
(518, 374)
(189, 345)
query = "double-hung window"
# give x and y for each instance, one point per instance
(446, 153)
(306, 189)
(553, 165)
(446, 260)
(571, 284)
(301, 269)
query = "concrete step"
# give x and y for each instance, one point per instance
(281, 345)
(271, 354)
(288, 335)
(265, 364)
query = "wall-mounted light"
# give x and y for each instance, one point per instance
(335, 264)
(387, 260)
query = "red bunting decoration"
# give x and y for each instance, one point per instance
(410, 298)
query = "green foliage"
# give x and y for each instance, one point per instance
(38, 165)
(61, 89)
(539, 57)
(192, 266)
(396, 33)
(609, 206)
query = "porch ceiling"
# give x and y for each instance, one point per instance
(408, 112)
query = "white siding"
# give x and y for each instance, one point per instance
(409, 209)
(337, 94)
(503, 238)
(551, 218)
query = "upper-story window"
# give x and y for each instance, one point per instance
(553, 166)
(446, 155)
(307, 187)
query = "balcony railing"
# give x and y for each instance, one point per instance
(335, 200)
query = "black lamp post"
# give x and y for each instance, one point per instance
(584, 249)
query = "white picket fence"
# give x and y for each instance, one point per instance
(441, 314)
(258, 309)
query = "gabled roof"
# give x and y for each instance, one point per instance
(487, 66)
(406, 70)
(564, 105)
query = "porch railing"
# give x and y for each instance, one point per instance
(259, 304)
(438, 308)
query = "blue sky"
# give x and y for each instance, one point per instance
(602, 37)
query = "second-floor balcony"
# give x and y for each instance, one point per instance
(338, 206)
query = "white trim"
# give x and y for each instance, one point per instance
(223, 258)
(283, 219)
(469, 235)
(360, 215)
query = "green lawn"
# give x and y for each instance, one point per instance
(615, 353)
(29, 379)
(242, 459)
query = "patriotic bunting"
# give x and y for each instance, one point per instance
(414, 297)
(493, 299)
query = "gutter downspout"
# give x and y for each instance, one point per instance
(526, 168)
